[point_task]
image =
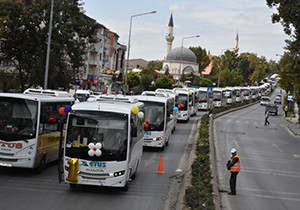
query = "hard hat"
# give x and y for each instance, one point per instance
(233, 150)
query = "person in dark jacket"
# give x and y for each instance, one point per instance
(267, 113)
(234, 166)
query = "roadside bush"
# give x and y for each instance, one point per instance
(199, 195)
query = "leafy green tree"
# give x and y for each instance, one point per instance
(230, 78)
(237, 77)
(225, 78)
(29, 20)
(216, 67)
(134, 79)
(244, 66)
(260, 72)
(205, 82)
(164, 82)
(288, 15)
(154, 65)
(230, 59)
(19, 23)
(202, 57)
(147, 78)
(196, 80)
(288, 74)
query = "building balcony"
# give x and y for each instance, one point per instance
(93, 62)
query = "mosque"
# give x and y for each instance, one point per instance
(182, 60)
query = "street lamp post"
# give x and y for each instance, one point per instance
(187, 37)
(48, 46)
(129, 37)
(220, 64)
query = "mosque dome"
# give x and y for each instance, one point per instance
(185, 55)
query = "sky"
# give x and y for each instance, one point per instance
(216, 21)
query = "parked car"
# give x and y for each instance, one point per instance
(265, 100)
(272, 108)
(278, 99)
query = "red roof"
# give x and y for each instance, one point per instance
(208, 68)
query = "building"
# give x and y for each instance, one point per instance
(104, 60)
(179, 60)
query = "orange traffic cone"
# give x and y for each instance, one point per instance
(160, 169)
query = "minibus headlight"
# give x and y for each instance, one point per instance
(119, 173)
(161, 138)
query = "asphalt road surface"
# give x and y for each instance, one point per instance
(23, 189)
(270, 158)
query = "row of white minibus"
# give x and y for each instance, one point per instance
(114, 130)
(99, 142)
(229, 95)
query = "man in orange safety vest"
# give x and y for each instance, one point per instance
(234, 166)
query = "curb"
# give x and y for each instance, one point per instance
(213, 165)
(182, 179)
(293, 131)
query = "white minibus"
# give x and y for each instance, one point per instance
(246, 93)
(104, 142)
(219, 99)
(230, 95)
(205, 99)
(160, 119)
(184, 105)
(29, 127)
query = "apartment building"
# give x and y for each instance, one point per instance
(103, 59)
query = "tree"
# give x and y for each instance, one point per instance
(147, 78)
(21, 22)
(154, 65)
(286, 74)
(29, 20)
(288, 15)
(205, 82)
(134, 79)
(260, 72)
(164, 82)
(244, 64)
(202, 57)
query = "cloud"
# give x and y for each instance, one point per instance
(216, 21)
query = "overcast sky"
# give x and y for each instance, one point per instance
(216, 21)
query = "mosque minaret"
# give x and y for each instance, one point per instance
(236, 47)
(170, 35)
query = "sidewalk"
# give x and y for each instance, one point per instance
(293, 125)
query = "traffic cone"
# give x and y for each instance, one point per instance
(160, 169)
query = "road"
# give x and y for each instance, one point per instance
(270, 158)
(25, 189)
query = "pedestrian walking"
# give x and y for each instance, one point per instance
(266, 117)
(286, 109)
(234, 166)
